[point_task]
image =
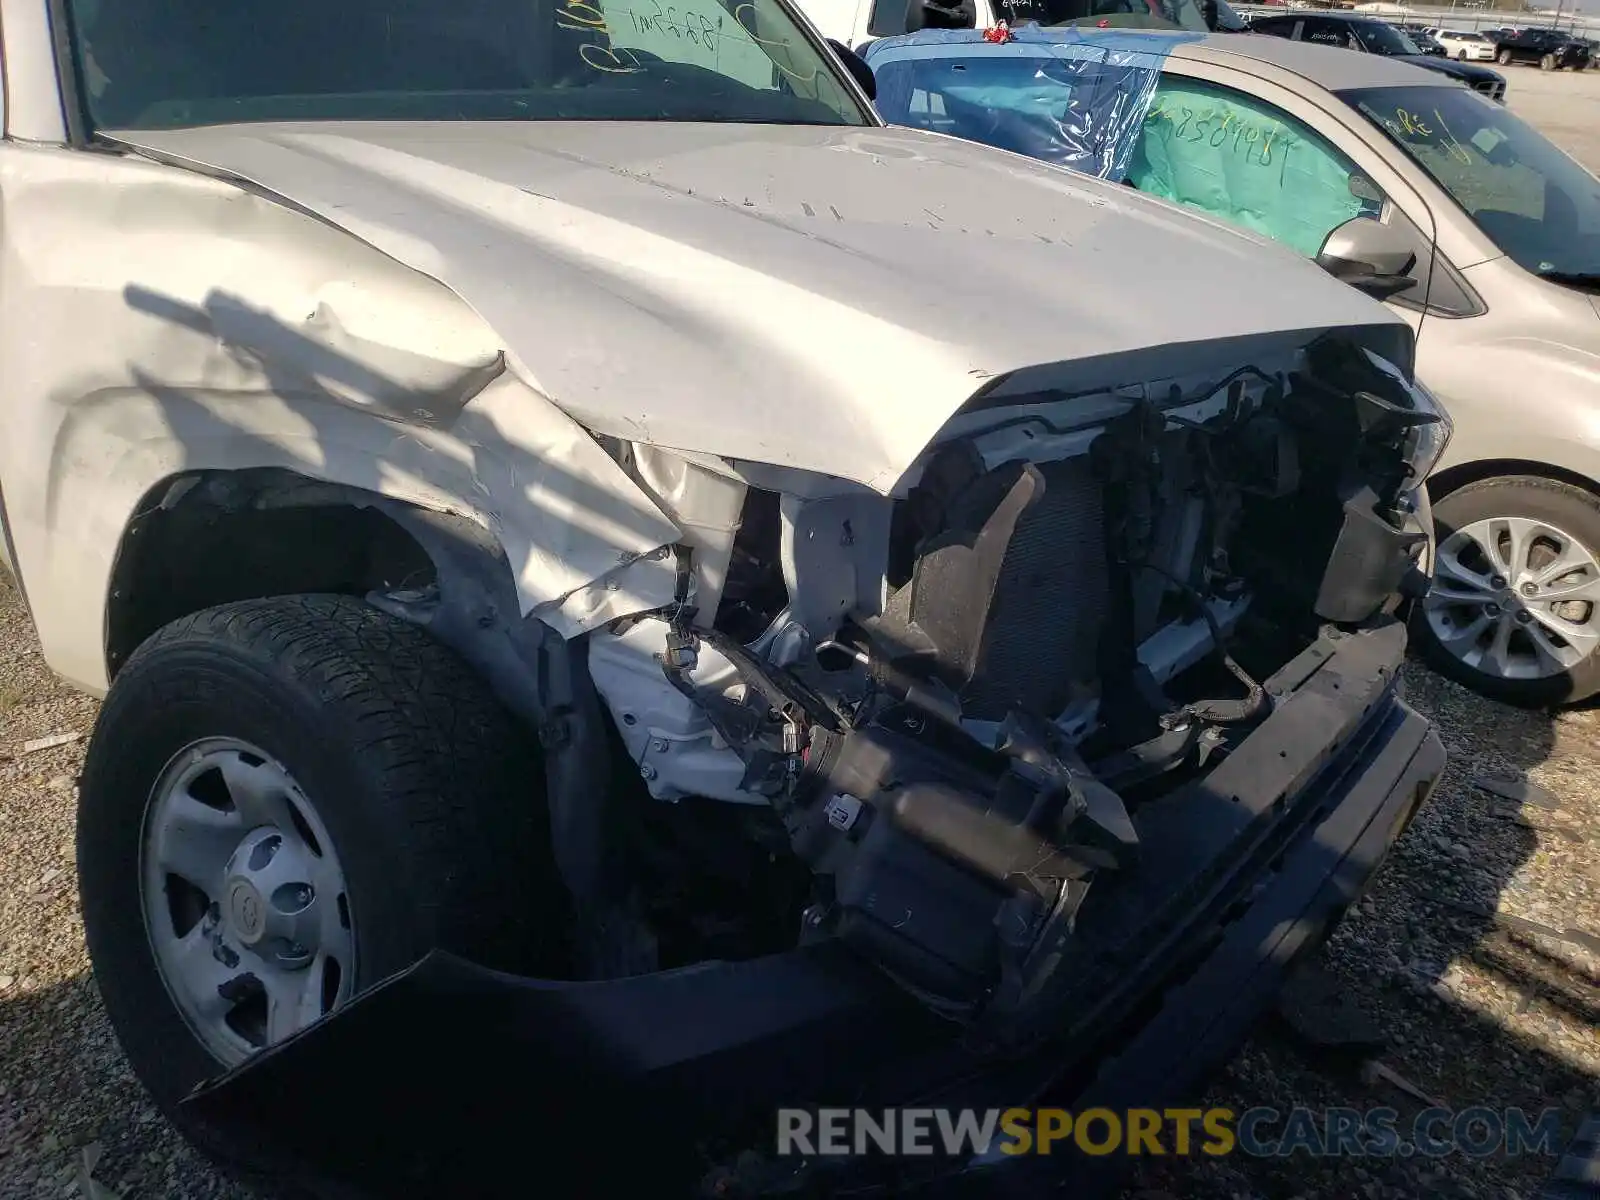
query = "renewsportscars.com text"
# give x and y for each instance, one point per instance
(1259, 1132)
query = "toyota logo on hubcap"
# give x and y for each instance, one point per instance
(247, 910)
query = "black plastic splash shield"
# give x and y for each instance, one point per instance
(452, 1079)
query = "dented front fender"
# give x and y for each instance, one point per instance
(155, 322)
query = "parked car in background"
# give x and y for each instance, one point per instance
(1423, 39)
(1465, 45)
(1550, 48)
(1489, 238)
(1369, 36)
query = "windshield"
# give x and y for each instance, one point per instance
(1535, 203)
(1185, 14)
(161, 64)
(1378, 38)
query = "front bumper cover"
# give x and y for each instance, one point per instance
(453, 1079)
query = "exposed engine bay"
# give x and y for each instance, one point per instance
(918, 725)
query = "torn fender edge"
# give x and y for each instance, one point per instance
(571, 523)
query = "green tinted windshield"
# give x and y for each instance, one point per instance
(1535, 203)
(149, 64)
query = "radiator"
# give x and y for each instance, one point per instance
(1050, 602)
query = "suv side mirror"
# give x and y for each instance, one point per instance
(857, 66)
(941, 14)
(1370, 256)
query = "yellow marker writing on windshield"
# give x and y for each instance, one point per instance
(1450, 142)
(1411, 123)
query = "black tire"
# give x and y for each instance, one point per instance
(1569, 508)
(1461, 56)
(1547, 62)
(428, 789)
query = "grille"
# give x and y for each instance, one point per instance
(1050, 600)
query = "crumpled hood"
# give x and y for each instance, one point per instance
(815, 297)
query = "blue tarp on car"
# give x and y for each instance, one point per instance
(1096, 101)
(1068, 96)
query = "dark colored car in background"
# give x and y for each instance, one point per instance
(1369, 36)
(1423, 40)
(1550, 48)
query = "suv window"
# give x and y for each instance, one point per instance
(1065, 105)
(1534, 202)
(1274, 26)
(1247, 162)
(1328, 33)
(1381, 38)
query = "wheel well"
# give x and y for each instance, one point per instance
(208, 538)
(1455, 478)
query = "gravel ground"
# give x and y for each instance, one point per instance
(64, 1088)
(1475, 1013)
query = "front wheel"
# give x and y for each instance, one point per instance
(284, 802)
(1461, 56)
(1504, 58)
(1547, 63)
(1514, 611)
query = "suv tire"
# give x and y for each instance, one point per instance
(427, 790)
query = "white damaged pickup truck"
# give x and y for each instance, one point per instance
(614, 572)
